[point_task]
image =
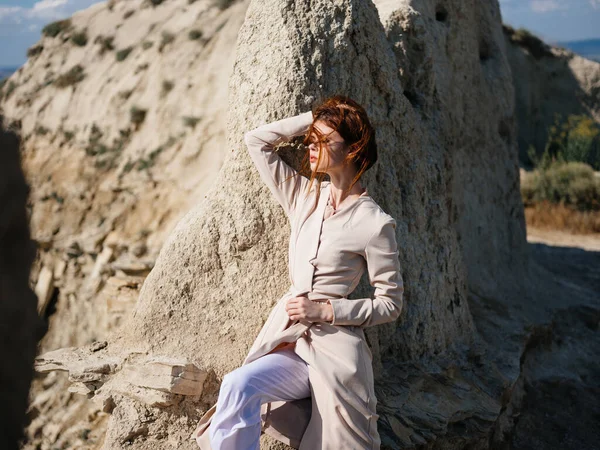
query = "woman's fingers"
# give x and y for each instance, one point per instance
(296, 308)
(303, 308)
(295, 302)
(294, 313)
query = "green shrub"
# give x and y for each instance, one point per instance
(73, 76)
(147, 44)
(121, 55)
(55, 28)
(167, 38)
(567, 183)
(106, 157)
(69, 135)
(41, 130)
(95, 147)
(167, 86)
(525, 39)
(223, 4)
(54, 196)
(10, 88)
(125, 94)
(137, 115)
(141, 67)
(190, 121)
(128, 166)
(80, 38)
(106, 43)
(120, 142)
(34, 51)
(195, 34)
(577, 139)
(146, 163)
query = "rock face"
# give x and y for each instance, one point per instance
(214, 250)
(454, 71)
(122, 133)
(449, 176)
(20, 326)
(106, 186)
(549, 81)
(436, 82)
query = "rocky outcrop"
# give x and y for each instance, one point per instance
(122, 116)
(20, 326)
(437, 84)
(549, 81)
(431, 157)
(122, 132)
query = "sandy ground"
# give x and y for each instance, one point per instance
(560, 238)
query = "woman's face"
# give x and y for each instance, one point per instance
(333, 149)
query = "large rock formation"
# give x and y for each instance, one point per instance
(223, 266)
(549, 81)
(436, 82)
(20, 325)
(106, 186)
(123, 132)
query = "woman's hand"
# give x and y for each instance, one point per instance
(303, 308)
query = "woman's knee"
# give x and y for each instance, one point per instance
(237, 381)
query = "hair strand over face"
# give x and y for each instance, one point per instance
(351, 121)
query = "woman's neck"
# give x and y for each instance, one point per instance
(340, 182)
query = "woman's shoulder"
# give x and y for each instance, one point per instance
(374, 212)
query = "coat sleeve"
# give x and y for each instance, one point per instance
(383, 266)
(284, 182)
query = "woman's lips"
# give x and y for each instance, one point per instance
(313, 158)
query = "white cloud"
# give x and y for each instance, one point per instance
(543, 6)
(8, 11)
(41, 12)
(47, 8)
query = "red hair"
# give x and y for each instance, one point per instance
(350, 120)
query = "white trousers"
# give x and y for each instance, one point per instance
(236, 423)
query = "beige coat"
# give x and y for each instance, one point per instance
(327, 258)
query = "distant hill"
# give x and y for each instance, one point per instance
(7, 71)
(589, 48)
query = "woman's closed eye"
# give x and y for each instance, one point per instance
(327, 142)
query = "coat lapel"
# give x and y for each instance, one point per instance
(278, 328)
(307, 243)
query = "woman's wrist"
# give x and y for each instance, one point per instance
(327, 312)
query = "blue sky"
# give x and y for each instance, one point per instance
(553, 20)
(21, 22)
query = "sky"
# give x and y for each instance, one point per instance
(21, 22)
(554, 21)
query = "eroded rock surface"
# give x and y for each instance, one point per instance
(437, 84)
(549, 81)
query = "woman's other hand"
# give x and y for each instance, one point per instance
(303, 308)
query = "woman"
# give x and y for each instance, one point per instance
(307, 379)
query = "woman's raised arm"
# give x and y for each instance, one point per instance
(284, 182)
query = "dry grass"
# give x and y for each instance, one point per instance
(546, 215)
